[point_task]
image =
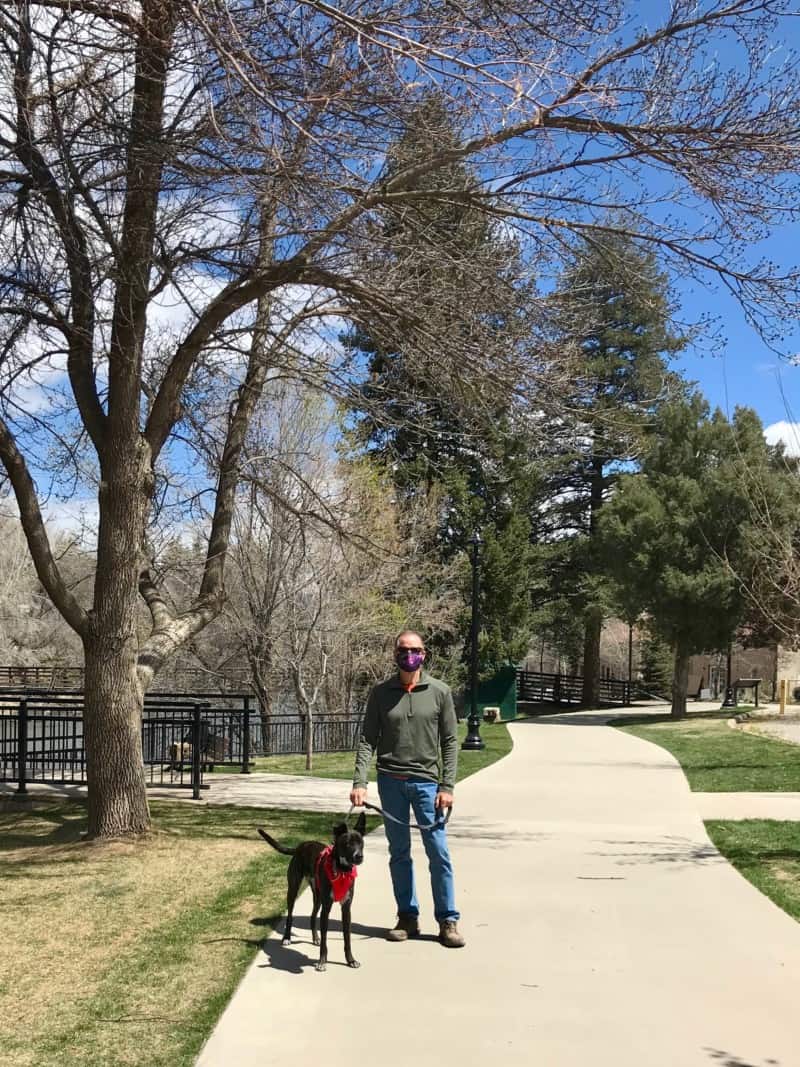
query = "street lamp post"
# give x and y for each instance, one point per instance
(730, 694)
(473, 739)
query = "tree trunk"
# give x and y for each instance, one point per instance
(590, 697)
(113, 725)
(265, 713)
(680, 681)
(305, 710)
(114, 687)
(309, 739)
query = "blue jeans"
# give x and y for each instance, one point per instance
(418, 794)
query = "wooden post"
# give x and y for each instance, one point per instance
(783, 685)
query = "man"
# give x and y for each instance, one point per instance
(409, 720)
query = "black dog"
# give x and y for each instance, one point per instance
(330, 871)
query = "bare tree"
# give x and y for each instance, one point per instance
(303, 646)
(767, 570)
(321, 571)
(287, 493)
(220, 154)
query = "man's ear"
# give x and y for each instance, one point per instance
(339, 829)
(361, 823)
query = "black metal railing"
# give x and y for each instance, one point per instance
(45, 742)
(42, 737)
(286, 737)
(539, 687)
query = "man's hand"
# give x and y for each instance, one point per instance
(357, 796)
(443, 799)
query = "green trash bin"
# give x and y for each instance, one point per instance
(499, 691)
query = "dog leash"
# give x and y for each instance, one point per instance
(414, 825)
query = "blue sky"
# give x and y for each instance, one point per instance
(744, 370)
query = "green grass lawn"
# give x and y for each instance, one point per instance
(125, 953)
(340, 764)
(767, 853)
(717, 759)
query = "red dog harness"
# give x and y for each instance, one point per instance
(341, 881)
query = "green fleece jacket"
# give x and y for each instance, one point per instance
(409, 730)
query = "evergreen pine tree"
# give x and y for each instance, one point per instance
(613, 307)
(657, 665)
(680, 535)
(461, 276)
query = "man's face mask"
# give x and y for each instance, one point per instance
(409, 659)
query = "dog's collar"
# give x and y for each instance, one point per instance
(341, 880)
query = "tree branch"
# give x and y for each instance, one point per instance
(81, 332)
(166, 406)
(167, 638)
(248, 397)
(36, 534)
(152, 596)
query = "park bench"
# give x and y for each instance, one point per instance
(746, 683)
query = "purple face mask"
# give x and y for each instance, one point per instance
(408, 660)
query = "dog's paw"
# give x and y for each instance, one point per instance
(322, 966)
(353, 963)
(315, 939)
(286, 942)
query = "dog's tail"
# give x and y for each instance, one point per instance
(274, 843)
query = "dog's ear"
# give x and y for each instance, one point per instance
(339, 829)
(361, 823)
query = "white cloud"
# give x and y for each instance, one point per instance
(75, 518)
(175, 308)
(788, 433)
(31, 388)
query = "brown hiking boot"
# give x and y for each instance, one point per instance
(407, 926)
(449, 935)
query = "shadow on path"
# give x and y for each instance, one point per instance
(573, 718)
(303, 953)
(683, 852)
(727, 1059)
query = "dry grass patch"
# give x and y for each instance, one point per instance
(124, 953)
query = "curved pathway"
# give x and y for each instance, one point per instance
(603, 929)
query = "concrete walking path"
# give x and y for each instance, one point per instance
(603, 928)
(305, 793)
(748, 805)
